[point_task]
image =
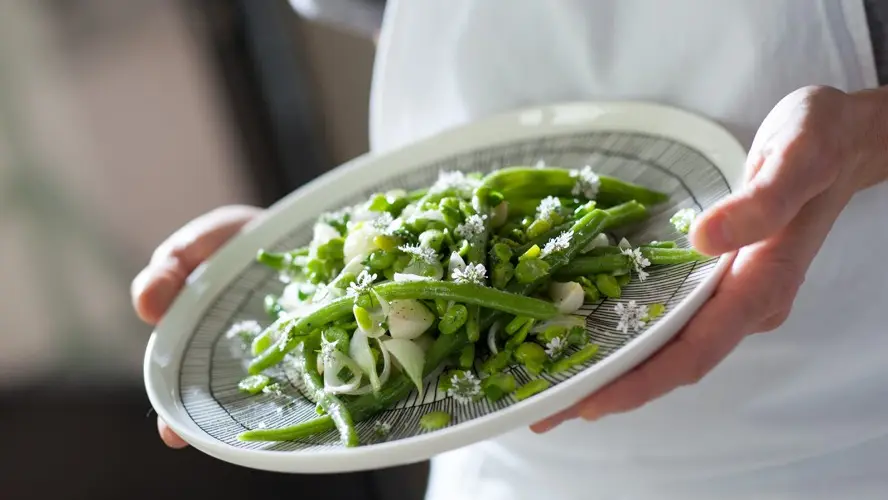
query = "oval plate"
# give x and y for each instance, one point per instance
(192, 368)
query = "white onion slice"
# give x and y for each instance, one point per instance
(491, 336)
(332, 383)
(411, 358)
(408, 319)
(456, 262)
(568, 297)
(359, 351)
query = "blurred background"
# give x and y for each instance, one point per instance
(119, 121)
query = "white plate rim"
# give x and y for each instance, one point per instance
(702, 134)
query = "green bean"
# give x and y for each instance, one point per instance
(434, 420)
(578, 358)
(532, 356)
(669, 256)
(498, 385)
(262, 342)
(609, 260)
(531, 388)
(331, 404)
(455, 317)
(519, 336)
(467, 356)
(608, 286)
(338, 335)
(661, 244)
(473, 329)
(528, 182)
(589, 266)
(517, 322)
(538, 227)
(625, 214)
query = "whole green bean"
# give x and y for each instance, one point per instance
(625, 214)
(492, 299)
(530, 182)
(609, 260)
(330, 403)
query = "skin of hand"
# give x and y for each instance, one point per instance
(156, 286)
(812, 153)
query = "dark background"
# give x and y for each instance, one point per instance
(71, 431)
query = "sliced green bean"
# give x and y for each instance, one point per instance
(625, 214)
(331, 404)
(455, 317)
(578, 358)
(608, 286)
(531, 388)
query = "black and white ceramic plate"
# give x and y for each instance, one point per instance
(192, 369)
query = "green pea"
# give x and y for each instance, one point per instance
(434, 420)
(385, 242)
(381, 260)
(253, 384)
(535, 386)
(532, 356)
(531, 270)
(501, 252)
(608, 286)
(498, 385)
(501, 274)
(331, 250)
(623, 279)
(453, 319)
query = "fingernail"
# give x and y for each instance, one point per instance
(157, 296)
(718, 233)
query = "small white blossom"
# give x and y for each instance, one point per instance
(473, 226)
(540, 164)
(261, 425)
(556, 347)
(639, 261)
(274, 389)
(244, 329)
(327, 350)
(382, 429)
(383, 223)
(587, 182)
(683, 219)
(631, 316)
(361, 284)
(464, 387)
(548, 207)
(455, 180)
(427, 254)
(558, 243)
(472, 273)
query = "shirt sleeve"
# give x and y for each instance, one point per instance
(361, 16)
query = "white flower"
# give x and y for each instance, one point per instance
(427, 254)
(556, 347)
(548, 207)
(383, 223)
(361, 284)
(558, 243)
(540, 164)
(464, 387)
(244, 329)
(473, 226)
(631, 316)
(327, 349)
(382, 429)
(274, 388)
(455, 180)
(587, 182)
(472, 273)
(683, 219)
(639, 261)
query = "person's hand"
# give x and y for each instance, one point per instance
(814, 150)
(156, 286)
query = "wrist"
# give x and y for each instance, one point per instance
(870, 112)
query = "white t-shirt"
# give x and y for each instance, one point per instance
(800, 413)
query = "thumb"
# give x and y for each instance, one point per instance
(770, 201)
(155, 288)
